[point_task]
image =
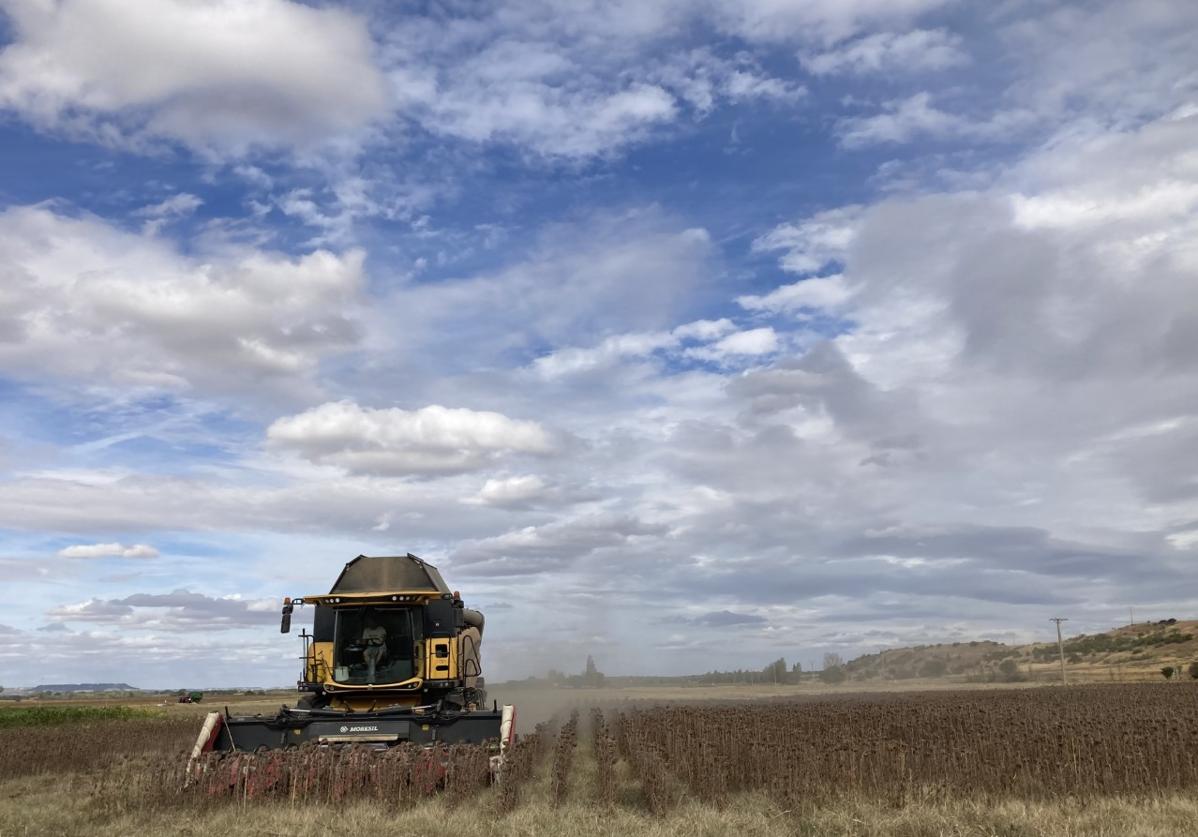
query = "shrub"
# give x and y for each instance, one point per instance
(933, 668)
(833, 675)
(1009, 670)
(1167, 672)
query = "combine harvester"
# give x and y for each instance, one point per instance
(393, 657)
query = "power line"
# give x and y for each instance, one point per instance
(1060, 645)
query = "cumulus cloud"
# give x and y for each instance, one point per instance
(217, 77)
(394, 441)
(109, 550)
(154, 318)
(564, 81)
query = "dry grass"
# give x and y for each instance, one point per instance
(44, 806)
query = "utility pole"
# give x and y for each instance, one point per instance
(1060, 645)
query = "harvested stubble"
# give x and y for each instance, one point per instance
(563, 759)
(1080, 741)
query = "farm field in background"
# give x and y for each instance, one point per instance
(1105, 759)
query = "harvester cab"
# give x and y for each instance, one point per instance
(390, 633)
(393, 657)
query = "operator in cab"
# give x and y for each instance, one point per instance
(374, 643)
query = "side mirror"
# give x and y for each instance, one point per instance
(285, 627)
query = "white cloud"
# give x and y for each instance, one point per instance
(816, 292)
(580, 80)
(555, 79)
(704, 330)
(109, 550)
(510, 491)
(623, 347)
(901, 121)
(636, 273)
(539, 116)
(534, 549)
(818, 20)
(994, 431)
(393, 441)
(165, 211)
(154, 318)
(751, 343)
(705, 80)
(573, 361)
(890, 52)
(181, 610)
(814, 242)
(1125, 64)
(904, 120)
(216, 76)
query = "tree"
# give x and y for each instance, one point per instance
(1009, 669)
(833, 661)
(833, 675)
(1193, 671)
(775, 672)
(1167, 672)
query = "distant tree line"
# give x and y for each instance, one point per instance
(591, 677)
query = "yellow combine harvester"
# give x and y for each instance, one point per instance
(394, 656)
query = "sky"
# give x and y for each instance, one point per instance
(688, 335)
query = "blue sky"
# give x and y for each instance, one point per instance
(687, 335)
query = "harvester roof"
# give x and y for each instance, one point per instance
(387, 573)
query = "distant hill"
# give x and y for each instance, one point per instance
(85, 687)
(1132, 651)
